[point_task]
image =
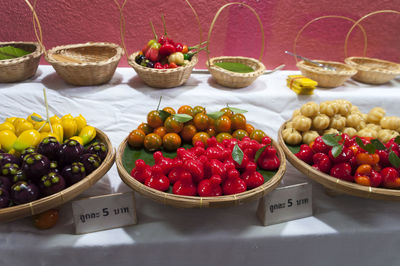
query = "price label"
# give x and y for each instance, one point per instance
(285, 204)
(104, 212)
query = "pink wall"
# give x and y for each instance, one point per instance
(236, 31)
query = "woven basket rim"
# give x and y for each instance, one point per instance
(361, 67)
(333, 183)
(89, 180)
(197, 201)
(115, 58)
(132, 63)
(350, 72)
(37, 53)
(256, 73)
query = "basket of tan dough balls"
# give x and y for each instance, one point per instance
(345, 150)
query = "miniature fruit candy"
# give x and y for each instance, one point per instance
(51, 183)
(97, 148)
(90, 161)
(49, 147)
(4, 198)
(46, 220)
(24, 192)
(88, 133)
(26, 139)
(70, 152)
(7, 139)
(35, 166)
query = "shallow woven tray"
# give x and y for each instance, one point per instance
(163, 78)
(327, 78)
(231, 79)
(85, 64)
(55, 200)
(372, 70)
(21, 68)
(200, 202)
(337, 185)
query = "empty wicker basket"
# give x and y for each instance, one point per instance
(372, 70)
(21, 68)
(327, 78)
(85, 64)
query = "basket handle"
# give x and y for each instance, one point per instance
(324, 17)
(36, 22)
(215, 19)
(357, 24)
(122, 23)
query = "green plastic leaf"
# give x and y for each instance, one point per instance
(237, 154)
(370, 148)
(183, 118)
(336, 150)
(378, 145)
(10, 52)
(394, 159)
(215, 115)
(237, 110)
(164, 114)
(259, 152)
(235, 67)
(397, 140)
(294, 149)
(331, 139)
(36, 118)
(360, 143)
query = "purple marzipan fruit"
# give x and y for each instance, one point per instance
(73, 173)
(54, 167)
(19, 176)
(51, 183)
(24, 192)
(98, 148)
(49, 147)
(8, 158)
(27, 151)
(35, 166)
(4, 198)
(69, 152)
(9, 170)
(91, 162)
(5, 183)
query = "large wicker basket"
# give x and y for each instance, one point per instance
(372, 70)
(229, 78)
(163, 78)
(336, 185)
(55, 200)
(199, 202)
(85, 64)
(21, 68)
(327, 78)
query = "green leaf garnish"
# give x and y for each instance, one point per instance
(336, 150)
(394, 159)
(183, 118)
(36, 118)
(331, 139)
(378, 145)
(237, 110)
(360, 143)
(164, 114)
(397, 140)
(235, 67)
(10, 52)
(370, 148)
(237, 154)
(215, 115)
(259, 152)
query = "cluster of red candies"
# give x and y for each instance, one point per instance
(354, 164)
(211, 171)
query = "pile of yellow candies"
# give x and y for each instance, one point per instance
(17, 134)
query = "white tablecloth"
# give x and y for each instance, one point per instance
(343, 230)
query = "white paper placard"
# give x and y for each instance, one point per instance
(104, 212)
(285, 204)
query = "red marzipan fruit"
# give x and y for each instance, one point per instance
(390, 177)
(141, 171)
(305, 154)
(157, 180)
(210, 187)
(342, 171)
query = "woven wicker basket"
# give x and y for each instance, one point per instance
(327, 78)
(21, 68)
(200, 202)
(372, 70)
(55, 200)
(233, 79)
(163, 78)
(336, 185)
(85, 64)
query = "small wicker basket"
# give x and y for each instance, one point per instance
(327, 78)
(179, 201)
(232, 79)
(55, 200)
(81, 64)
(334, 184)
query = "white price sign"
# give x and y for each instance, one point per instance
(104, 212)
(285, 204)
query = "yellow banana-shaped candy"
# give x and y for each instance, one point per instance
(81, 122)
(7, 126)
(30, 137)
(70, 127)
(58, 131)
(23, 126)
(88, 133)
(7, 139)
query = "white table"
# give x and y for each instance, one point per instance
(344, 230)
